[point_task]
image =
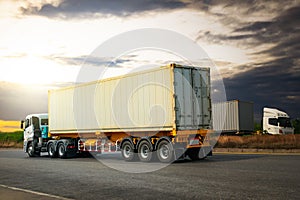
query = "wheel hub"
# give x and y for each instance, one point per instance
(145, 151)
(164, 152)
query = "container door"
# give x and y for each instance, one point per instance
(202, 102)
(192, 98)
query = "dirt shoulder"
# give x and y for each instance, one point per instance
(258, 142)
(251, 150)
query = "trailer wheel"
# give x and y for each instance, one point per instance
(127, 150)
(165, 152)
(145, 151)
(30, 150)
(61, 150)
(51, 150)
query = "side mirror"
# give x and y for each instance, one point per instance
(22, 122)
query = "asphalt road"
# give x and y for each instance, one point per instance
(223, 176)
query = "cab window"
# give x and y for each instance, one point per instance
(26, 123)
(273, 121)
(44, 121)
(36, 123)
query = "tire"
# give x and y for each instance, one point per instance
(145, 151)
(61, 151)
(51, 150)
(30, 150)
(165, 152)
(127, 151)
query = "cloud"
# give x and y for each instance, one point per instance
(273, 43)
(82, 8)
(282, 30)
(268, 30)
(87, 61)
(241, 11)
(228, 11)
(272, 85)
(19, 100)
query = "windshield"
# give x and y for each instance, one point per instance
(284, 122)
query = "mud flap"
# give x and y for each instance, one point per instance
(179, 153)
(205, 151)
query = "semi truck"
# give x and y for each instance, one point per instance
(164, 113)
(233, 117)
(276, 122)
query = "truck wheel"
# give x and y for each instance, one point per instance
(127, 150)
(30, 150)
(165, 152)
(145, 151)
(51, 150)
(61, 150)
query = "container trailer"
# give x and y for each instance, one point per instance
(233, 117)
(162, 113)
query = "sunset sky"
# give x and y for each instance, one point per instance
(255, 45)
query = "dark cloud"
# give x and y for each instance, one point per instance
(88, 61)
(267, 83)
(271, 85)
(235, 13)
(82, 8)
(282, 30)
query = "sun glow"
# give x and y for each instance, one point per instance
(36, 70)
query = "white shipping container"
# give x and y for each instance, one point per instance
(162, 99)
(233, 116)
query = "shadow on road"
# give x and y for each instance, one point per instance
(96, 156)
(227, 157)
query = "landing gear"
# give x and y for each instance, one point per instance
(199, 153)
(194, 154)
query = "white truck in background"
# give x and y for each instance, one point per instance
(276, 122)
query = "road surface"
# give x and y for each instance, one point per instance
(223, 176)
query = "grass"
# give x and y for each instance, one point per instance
(260, 141)
(11, 139)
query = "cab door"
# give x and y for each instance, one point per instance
(35, 123)
(28, 131)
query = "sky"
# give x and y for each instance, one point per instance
(254, 43)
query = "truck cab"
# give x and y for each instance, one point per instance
(35, 129)
(37, 138)
(276, 122)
